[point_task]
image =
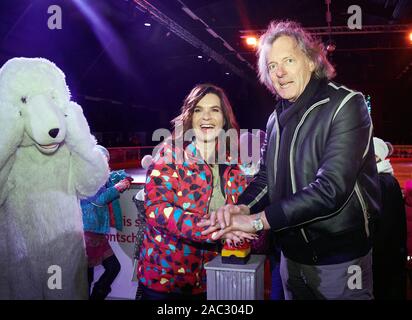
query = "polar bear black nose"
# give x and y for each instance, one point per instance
(54, 132)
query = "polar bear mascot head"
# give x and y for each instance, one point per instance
(48, 160)
(35, 110)
(34, 100)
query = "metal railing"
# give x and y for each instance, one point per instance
(402, 152)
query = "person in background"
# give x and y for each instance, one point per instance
(101, 212)
(408, 208)
(389, 244)
(139, 200)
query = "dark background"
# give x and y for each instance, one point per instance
(131, 79)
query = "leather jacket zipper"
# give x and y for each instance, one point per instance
(304, 235)
(366, 214)
(292, 170)
(314, 254)
(295, 134)
(275, 163)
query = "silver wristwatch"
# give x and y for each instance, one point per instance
(257, 223)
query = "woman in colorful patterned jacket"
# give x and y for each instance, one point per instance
(185, 184)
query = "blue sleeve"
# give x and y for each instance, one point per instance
(105, 195)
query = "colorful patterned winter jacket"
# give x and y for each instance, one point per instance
(174, 252)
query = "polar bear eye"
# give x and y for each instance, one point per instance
(24, 99)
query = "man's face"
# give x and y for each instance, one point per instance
(290, 69)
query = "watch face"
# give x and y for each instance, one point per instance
(258, 224)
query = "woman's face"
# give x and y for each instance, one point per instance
(207, 119)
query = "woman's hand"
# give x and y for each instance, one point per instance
(238, 237)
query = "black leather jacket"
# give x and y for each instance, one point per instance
(332, 170)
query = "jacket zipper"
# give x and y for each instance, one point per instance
(295, 134)
(366, 215)
(314, 254)
(275, 174)
(292, 170)
(275, 163)
(210, 196)
(199, 275)
(304, 235)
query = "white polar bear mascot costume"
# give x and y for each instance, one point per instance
(48, 161)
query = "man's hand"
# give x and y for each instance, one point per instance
(239, 222)
(222, 217)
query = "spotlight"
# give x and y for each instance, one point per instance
(227, 73)
(147, 24)
(251, 41)
(200, 57)
(410, 37)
